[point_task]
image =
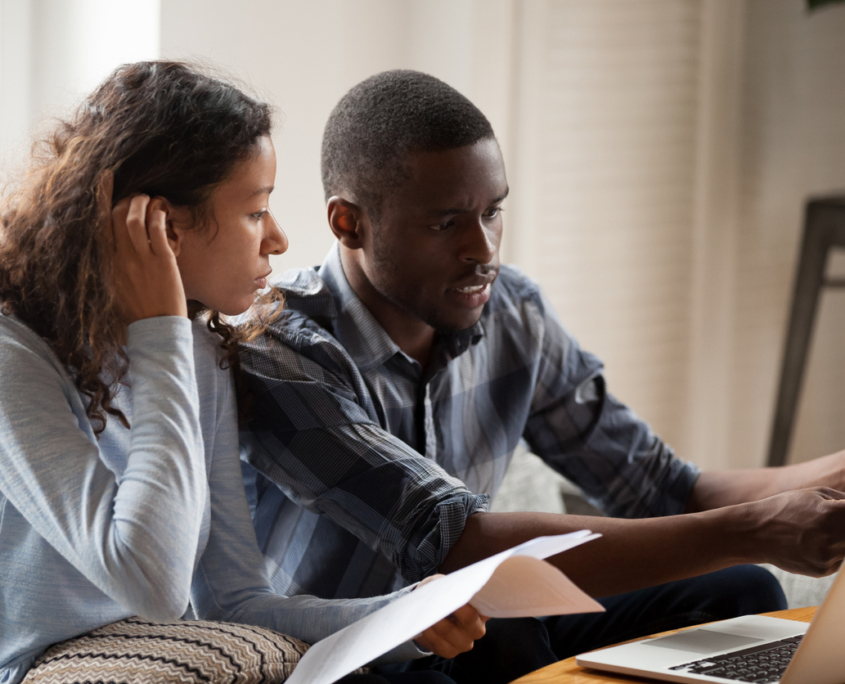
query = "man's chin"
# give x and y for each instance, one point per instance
(455, 324)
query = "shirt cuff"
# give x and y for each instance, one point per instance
(410, 650)
(443, 529)
(681, 489)
(159, 330)
(403, 652)
(480, 504)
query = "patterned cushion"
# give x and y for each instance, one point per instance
(136, 651)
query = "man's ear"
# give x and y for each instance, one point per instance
(346, 219)
(177, 221)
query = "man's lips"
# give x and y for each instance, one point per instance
(472, 292)
(474, 284)
(470, 289)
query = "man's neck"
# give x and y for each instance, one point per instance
(412, 335)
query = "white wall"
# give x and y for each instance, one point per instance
(15, 77)
(54, 52)
(793, 146)
(665, 150)
(605, 199)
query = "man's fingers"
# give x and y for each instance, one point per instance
(806, 530)
(444, 639)
(455, 634)
(437, 645)
(829, 493)
(459, 636)
(136, 224)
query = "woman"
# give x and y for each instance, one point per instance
(120, 488)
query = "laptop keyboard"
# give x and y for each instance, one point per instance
(765, 663)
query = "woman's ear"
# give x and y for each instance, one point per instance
(159, 204)
(177, 221)
(347, 221)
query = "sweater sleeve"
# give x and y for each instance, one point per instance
(115, 530)
(230, 583)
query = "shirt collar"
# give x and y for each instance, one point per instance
(355, 328)
(361, 334)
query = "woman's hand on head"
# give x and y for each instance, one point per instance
(146, 276)
(455, 634)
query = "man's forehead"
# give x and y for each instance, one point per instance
(482, 152)
(449, 177)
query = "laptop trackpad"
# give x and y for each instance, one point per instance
(701, 641)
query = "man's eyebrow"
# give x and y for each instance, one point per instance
(456, 210)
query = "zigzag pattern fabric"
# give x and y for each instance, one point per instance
(183, 652)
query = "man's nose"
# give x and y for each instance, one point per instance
(482, 243)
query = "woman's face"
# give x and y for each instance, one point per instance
(224, 262)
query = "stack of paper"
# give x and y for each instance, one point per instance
(513, 583)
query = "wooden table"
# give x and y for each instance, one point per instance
(567, 672)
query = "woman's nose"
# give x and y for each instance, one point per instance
(275, 241)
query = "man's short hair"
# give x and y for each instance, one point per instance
(376, 124)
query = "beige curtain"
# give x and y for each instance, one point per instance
(661, 155)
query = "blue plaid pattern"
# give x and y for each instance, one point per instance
(361, 470)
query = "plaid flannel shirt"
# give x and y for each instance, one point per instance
(361, 469)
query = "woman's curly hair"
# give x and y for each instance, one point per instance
(160, 128)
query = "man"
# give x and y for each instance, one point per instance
(390, 393)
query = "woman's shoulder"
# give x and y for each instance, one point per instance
(213, 381)
(30, 371)
(19, 342)
(13, 329)
(206, 343)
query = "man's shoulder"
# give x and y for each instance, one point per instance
(301, 327)
(514, 284)
(513, 291)
(307, 307)
(307, 294)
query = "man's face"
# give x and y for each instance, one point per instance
(435, 247)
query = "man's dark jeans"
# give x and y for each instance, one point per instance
(418, 677)
(516, 647)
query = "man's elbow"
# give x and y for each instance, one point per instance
(470, 547)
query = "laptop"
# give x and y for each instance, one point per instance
(753, 648)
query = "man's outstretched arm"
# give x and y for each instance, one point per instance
(729, 487)
(751, 516)
(801, 531)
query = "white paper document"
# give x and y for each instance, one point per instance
(513, 583)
